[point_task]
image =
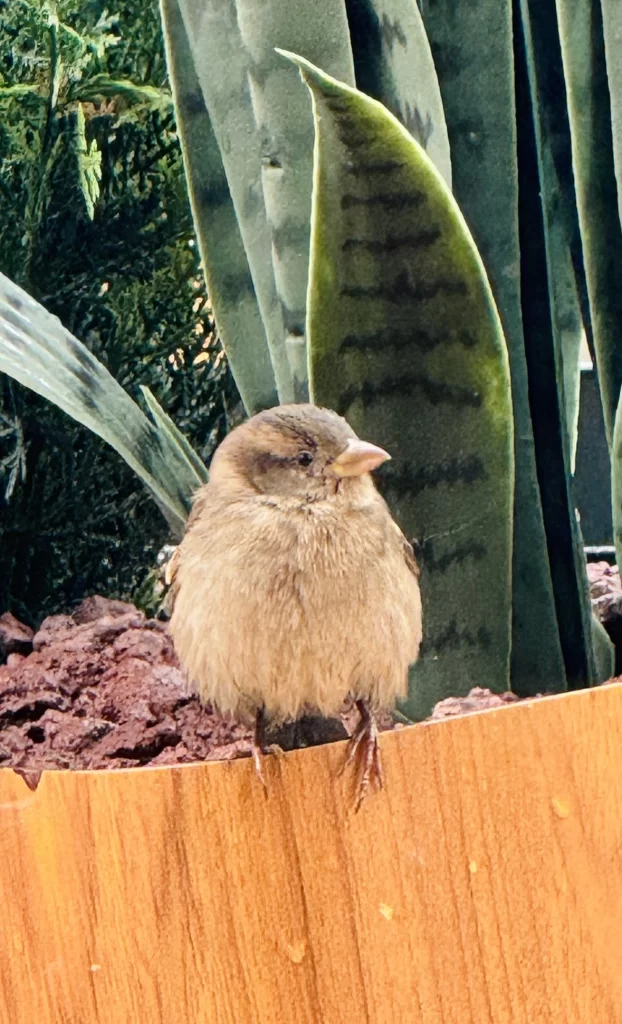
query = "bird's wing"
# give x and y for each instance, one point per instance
(199, 505)
(171, 568)
(409, 553)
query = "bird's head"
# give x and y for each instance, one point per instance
(297, 451)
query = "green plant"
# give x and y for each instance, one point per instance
(73, 518)
(395, 318)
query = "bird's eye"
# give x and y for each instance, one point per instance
(305, 458)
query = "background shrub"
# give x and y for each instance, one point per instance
(95, 224)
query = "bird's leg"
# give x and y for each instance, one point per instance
(258, 746)
(364, 739)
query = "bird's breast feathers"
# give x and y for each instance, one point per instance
(294, 605)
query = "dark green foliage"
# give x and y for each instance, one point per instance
(126, 282)
(472, 44)
(546, 392)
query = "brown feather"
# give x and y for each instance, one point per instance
(293, 589)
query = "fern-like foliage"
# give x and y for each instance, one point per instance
(95, 224)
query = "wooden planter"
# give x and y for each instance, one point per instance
(484, 884)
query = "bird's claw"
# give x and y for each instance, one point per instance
(259, 748)
(257, 754)
(363, 747)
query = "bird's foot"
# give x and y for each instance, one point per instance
(363, 749)
(274, 748)
(259, 747)
(257, 755)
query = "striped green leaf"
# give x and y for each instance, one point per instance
(587, 88)
(223, 257)
(393, 64)
(612, 24)
(37, 351)
(473, 52)
(557, 190)
(264, 129)
(545, 364)
(406, 342)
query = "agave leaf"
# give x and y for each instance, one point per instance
(406, 342)
(37, 351)
(229, 283)
(393, 64)
(177, 440)
(590, 107)
(472, 48)
(260, 116)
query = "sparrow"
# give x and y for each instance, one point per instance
(293, 587)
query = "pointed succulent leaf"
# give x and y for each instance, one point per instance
(229, 282)
(546, 392)
(612, 24)
(472, 44)
(405, 341)
(261, 120)
(591, 106)
(37, 351)
(558, 199)
(393, 64)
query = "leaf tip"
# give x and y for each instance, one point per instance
(308, 72)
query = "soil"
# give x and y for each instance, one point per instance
(102, 688)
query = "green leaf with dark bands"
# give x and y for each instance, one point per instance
(544, 361)
(260, 116)
(589, 103)
(393, 64)
(612, 26)
(229, 281)
(472, 48)
(405, 341)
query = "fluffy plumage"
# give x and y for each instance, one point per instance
(293, 586)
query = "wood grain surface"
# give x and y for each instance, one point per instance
(483, 885)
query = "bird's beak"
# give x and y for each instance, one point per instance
(358, 457)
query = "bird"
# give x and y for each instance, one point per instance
(293, 587)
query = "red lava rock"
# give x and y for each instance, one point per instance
(15, 637)
(103, 689)
(478, 699)
(605, 590)
(96, 607)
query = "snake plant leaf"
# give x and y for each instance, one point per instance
(261, 119)
(393, 64)
(473, 52)
(616, 483)
(589, 104)
(405, 341)
(604, 651)
(612, 25)
(561, 223)
(229, 282)
(564, 541)
(37, 351)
